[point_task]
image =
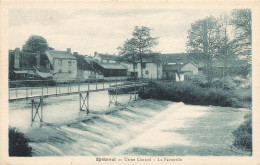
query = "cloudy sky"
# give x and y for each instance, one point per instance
(103, 30)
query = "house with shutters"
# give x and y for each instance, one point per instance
(63, 64)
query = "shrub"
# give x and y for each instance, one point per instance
(243, 135)
(224, 83)
(18, 144)
(189, 92)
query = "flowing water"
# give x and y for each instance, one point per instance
(142, 127)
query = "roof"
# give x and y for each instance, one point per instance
(175, 57)
(21, 71)
(82, 62)
(173, 66)
(112, 65)
(43, 74)
(60, 54)
(108, 56)
(176, 67)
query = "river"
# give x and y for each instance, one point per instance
(141, 127)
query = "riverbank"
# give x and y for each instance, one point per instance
(192, 93)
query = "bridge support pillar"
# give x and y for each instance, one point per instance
(113, 97)
(84, 102)
(133, 94)
(38, 106)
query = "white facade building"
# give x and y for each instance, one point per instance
(64, 65)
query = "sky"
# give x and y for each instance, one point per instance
(86, 30)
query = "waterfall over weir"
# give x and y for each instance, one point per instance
(137, 127)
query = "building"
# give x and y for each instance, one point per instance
(28, 66)
(64, 65)
(151, 67)
(109, 65)
(85, 69)
(177, 65)
(177, 72)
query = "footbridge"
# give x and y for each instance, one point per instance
(36, 90)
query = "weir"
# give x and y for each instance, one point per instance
(37, 106)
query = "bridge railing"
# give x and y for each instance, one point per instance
(31, 88)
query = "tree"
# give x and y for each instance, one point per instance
(129, 51)
(139, 46)
(242, 21)
(226, 52)
(35, 44)
(203, 38)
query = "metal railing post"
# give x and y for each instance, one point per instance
(16, 89)
(47, 87)
(26, 92)
(116, 91)
(41, 108)
(56, 89)
(135, 90)
(68, 87)
(96, 83)
(80, 101)
(42, 90)
(32, 111)
(87, 102)
(8, 89)
(78, 86)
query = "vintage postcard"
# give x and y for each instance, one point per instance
(128, 82)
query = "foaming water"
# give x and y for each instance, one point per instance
(149, 124)
(112, 133)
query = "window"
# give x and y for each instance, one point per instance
(69, 63)
(143, 65)
(60, 71)
(135, 66)
(147, 72)
(60, 62)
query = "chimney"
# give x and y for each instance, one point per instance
(69, 50)
(17, 58)
(38, 60)
(95, 53)
(75, 53)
